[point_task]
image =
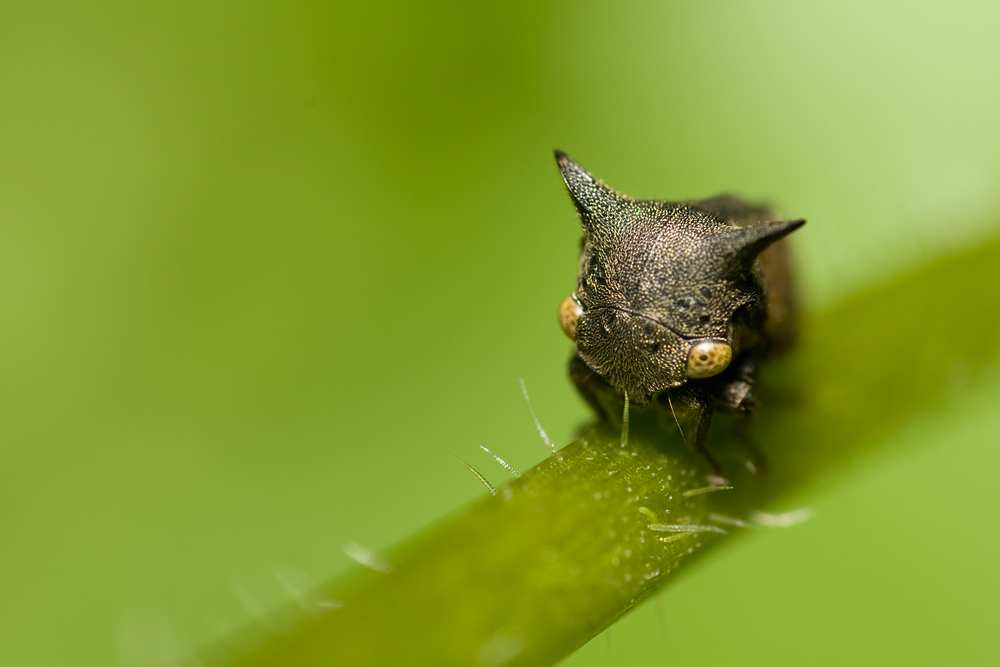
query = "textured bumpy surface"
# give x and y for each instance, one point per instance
(655, 277)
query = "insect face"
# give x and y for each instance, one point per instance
(666, 292)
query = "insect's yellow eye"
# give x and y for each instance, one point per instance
(569, 314)
(708, 358)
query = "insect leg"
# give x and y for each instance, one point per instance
(596, 391)
(735, 392)
(756, 461)
(736, 396)
(697, 404)
(704, 410)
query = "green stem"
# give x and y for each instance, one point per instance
(529, 575)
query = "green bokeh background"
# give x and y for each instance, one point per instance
(265, 264)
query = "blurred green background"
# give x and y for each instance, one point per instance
(265, 264)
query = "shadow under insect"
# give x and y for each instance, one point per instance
(675, 304)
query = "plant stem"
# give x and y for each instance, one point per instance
(529, 575)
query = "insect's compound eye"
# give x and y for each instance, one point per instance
(708, 358)
(569, 314)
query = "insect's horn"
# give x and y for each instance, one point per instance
(743, 244)
(595, 202)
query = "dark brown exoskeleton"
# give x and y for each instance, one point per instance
(675, 302)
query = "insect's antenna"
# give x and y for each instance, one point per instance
(625, 421)
(538, 424)
(676, 421)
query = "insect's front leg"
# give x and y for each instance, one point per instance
(695, 402)
(735, 394)
(734, 390)
(601, 396)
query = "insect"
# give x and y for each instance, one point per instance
(675, 302)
